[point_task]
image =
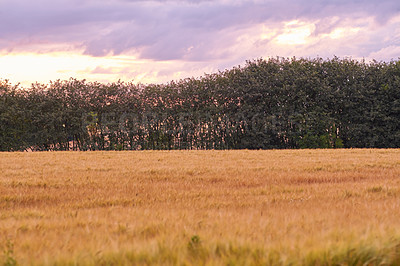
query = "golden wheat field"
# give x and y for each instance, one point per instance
(278, 207)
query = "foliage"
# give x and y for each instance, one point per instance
(9, 254)
(276, 103)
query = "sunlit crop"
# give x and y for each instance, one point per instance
(200, 207)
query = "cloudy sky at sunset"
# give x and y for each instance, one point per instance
(159, 41)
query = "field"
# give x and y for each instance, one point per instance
(275, 207)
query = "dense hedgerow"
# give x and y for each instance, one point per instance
(267, 104)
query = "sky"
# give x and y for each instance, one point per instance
(159, 41)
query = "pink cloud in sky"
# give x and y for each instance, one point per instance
(193, 37)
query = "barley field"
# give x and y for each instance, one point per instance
(276, 207)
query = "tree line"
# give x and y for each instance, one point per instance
(278, 103)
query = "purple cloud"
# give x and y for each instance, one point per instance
(178, 30)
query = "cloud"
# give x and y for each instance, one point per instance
(200, 35)
(102, 70)
(390, 52)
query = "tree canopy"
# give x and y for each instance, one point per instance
(277, 103)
